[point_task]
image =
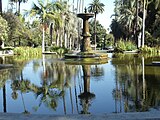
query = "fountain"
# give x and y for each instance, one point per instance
(86, 50)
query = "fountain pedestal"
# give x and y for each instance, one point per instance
(86, 50)
(86, 45)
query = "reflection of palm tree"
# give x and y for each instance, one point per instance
(97, 71)
(4, 99)
(4, 74)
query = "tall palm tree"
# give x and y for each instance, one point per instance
(129, 19)
(144, 17)
(96, 7)
(1, 7)
(19, 5)
(145, 7)
(44, 12)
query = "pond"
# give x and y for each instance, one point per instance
(50, 85)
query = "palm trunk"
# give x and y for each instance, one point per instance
(43, 37)
(79, 5)
(73, 6)
(16, 7)
(1, 7)
(95, 31)
(57, 38)
(19, 4)
(65, 40)
(144, 17)
(82, 5)
(51, 33)
(136, 26)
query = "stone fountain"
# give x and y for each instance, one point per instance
(86, 50)
(86, 44)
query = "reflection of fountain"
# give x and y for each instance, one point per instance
(86, 51)
(86, 96)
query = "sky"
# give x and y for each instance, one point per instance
(104, 18)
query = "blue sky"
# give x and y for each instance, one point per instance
(103, 18)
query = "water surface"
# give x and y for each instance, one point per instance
(49, 85)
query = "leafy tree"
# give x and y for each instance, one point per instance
(101, 33)
(1, 7)
(3, 30)
(43, 10)
(17, 30)
(96, 7)
(127, 18)
(19, 5)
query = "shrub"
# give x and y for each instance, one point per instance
(122, 46)
(27, 51)
(151, 50)
(59, 50)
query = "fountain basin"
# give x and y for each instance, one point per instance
(86, 58)
(85, 15)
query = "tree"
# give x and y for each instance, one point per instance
(17, 30)
(44, 12)
(131, 23)
(3, 31)
(101, 32)
(14, 1)
(1, 7)
(96, 7)
(19, 4)
(151, 10)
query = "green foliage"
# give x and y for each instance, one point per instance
(126, 21)
(58, 50)
(122, 46)
(3, 30)
(27, 51)
(150, 40)
(17, 30)
(96, 7)
(150, 50)
(109, 40)
(101, 33)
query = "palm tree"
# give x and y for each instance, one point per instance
(44, 12)
(1, 7)
(19, 5)
(145, 7)
(14, 1)
(144, 17)
(96, 7)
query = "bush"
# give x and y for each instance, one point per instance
(27, 51)
(59, 50)
(150, 50)
(122, 46)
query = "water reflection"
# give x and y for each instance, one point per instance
(86, 96)
(135, 86)
(52, 86)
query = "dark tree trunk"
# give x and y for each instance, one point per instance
(1, 7)
(19, 4)
(95, 31)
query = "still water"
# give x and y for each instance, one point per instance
(49, 85)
